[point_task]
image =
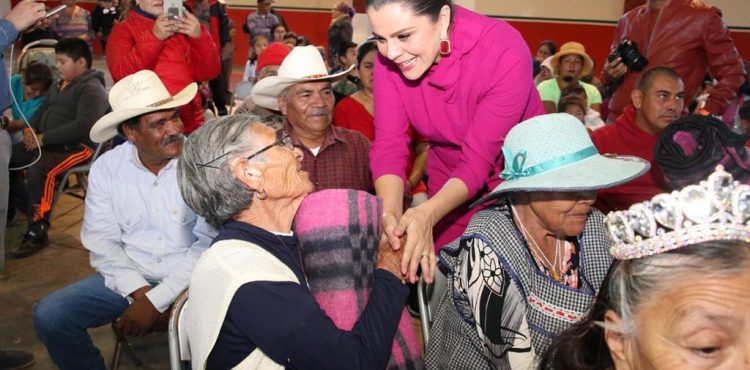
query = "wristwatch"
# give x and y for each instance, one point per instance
(4, 122)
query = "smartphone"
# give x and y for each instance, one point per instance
(173, 8)
(56, 10)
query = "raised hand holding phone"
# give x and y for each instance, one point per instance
(25, 14)
(164, 27)
(189, 25)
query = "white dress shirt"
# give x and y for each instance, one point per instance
(139, 229)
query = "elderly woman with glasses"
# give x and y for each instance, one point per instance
(528, 266)
(678, 293)
(250, 305)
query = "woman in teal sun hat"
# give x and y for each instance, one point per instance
(529, 265)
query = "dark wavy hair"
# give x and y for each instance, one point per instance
(430, 8)
(364, 49)
(38, 73)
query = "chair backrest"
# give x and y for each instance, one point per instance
(41, 51)
(428, 297)
(179, 348)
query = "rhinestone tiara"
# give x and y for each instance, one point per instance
(717, 208)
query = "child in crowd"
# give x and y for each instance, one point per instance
(347, 57)
(60, 131)
(28, 91)
(573, 106)
(257, 45)
(103, 19)
(592, 119)
(290, 40)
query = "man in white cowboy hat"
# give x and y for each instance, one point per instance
(568, 66)
(143, 239)
(335, 157)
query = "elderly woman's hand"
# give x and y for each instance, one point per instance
(164, 27)
(419, 248)
(389, 259)
(189, 25)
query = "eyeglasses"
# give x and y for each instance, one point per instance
(282, 139)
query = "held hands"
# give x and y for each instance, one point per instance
(26, 13)
(389, 259)
(140, 316)
(167, 25)
(412, 234)
(615, 69)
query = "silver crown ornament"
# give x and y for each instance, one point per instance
(717, 208)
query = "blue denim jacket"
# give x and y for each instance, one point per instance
(8, 35)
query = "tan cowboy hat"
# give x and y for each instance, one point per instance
(303, 64)
(137, 94)
(575, 48)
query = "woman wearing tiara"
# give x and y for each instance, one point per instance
(529, 266)
(678, 293)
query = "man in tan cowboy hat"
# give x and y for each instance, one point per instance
(335, 157)
(568, 66)
(142, 238)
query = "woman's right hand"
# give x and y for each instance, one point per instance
(164, 27)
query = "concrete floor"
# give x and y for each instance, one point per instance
(63, 262)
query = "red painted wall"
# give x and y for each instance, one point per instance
(314, 25)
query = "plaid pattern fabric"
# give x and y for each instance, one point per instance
(456, 324)
(339, 231)
(343, 161)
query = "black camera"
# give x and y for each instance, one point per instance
(628, 51)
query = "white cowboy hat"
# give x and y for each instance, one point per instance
(137, 94)
(554, 153)
(303, 64)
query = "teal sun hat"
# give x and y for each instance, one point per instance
(554, 152)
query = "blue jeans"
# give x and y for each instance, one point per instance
(62, 318)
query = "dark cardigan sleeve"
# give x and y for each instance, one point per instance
(289, 326)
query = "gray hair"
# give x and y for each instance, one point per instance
(628, 286)
(635, 282)
(214, 192)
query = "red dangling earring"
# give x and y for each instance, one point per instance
(445, 45)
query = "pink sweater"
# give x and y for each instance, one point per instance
(464, 105)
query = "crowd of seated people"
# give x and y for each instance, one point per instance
(544, 191)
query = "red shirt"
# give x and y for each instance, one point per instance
(351, 114)
(623, 137)
(178, 61)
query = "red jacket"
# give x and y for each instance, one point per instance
(178, 60)
(690, 38)
(623, 137)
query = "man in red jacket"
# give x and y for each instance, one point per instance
(685, 35)
(657, 101)
(180, 50)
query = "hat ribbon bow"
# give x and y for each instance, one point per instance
(515, 169)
